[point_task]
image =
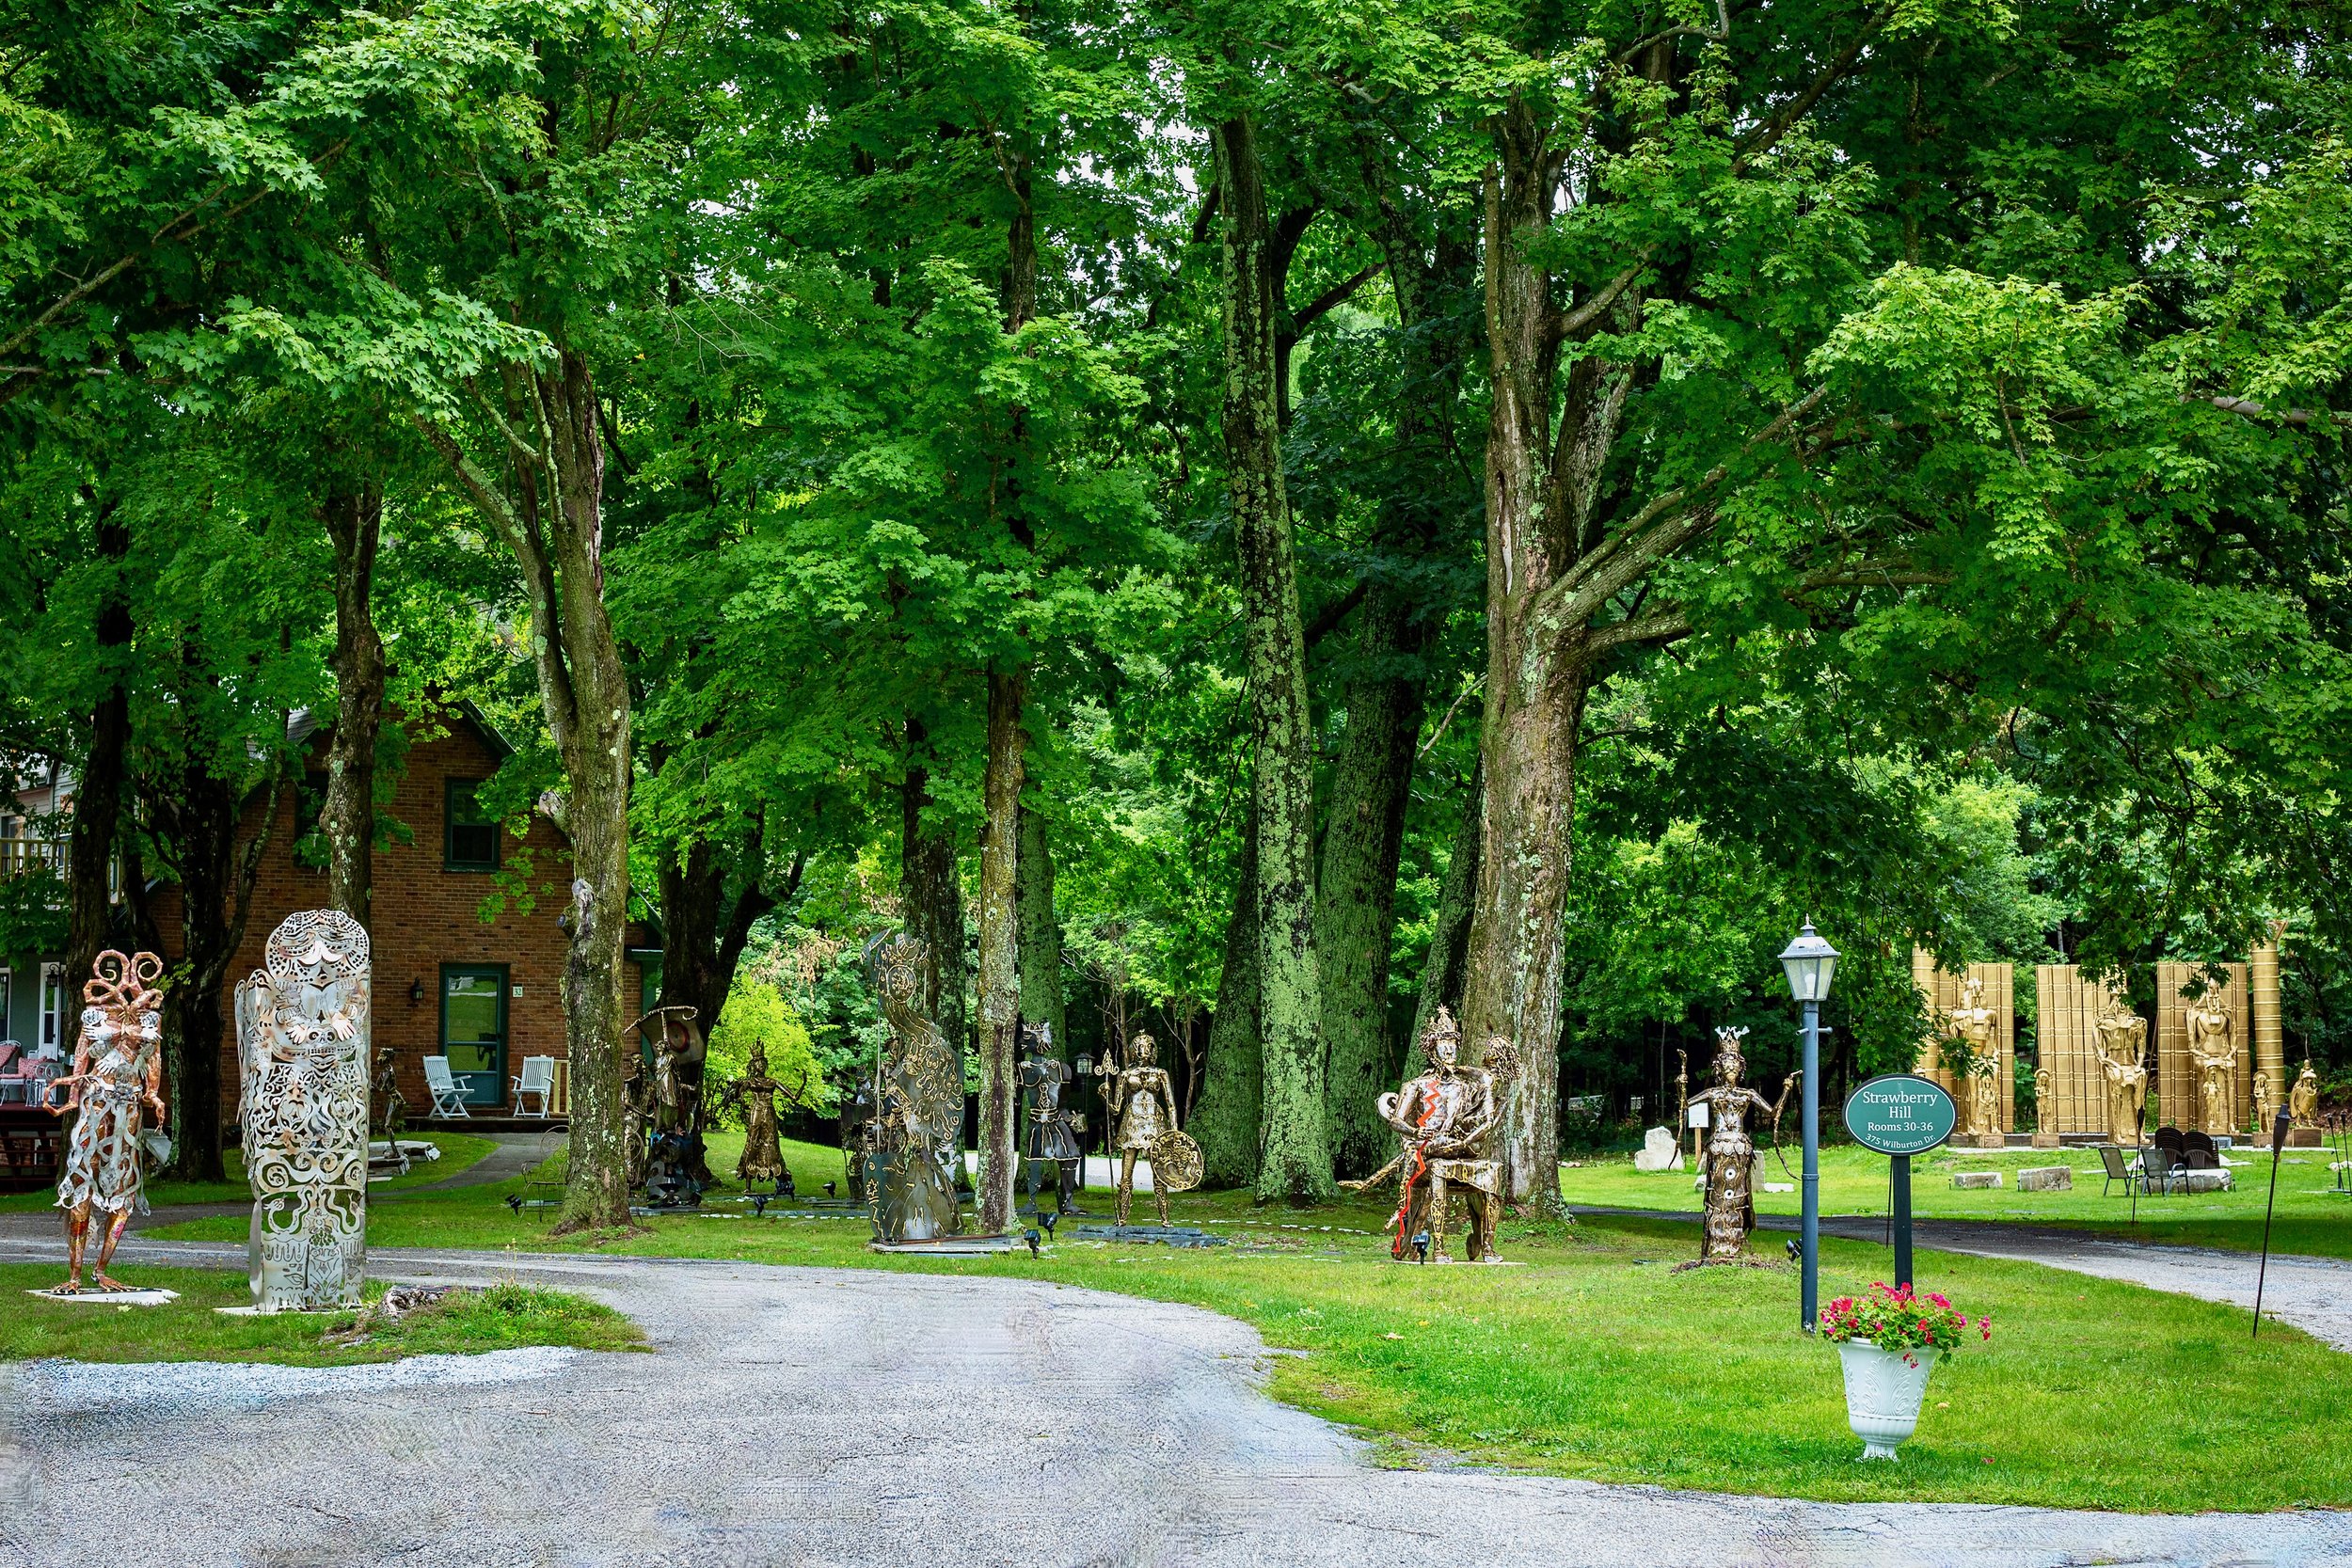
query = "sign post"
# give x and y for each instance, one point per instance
(1900, 1115)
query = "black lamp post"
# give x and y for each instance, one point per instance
(1810, 961)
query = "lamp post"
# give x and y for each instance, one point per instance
(1809, 962)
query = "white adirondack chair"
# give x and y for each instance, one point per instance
(449, 1100)
(537, 1077)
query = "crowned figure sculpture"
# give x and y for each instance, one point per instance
(1445, 1120)
(302, 1051)
(917, 1132)
(118, 1079)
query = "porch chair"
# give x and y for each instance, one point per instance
(2118, 1168)
(15, 1084)
(2160, 1169)
(537, 1077)
(448, 1098)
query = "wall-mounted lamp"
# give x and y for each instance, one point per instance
(416, 992)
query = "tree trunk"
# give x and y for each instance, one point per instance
(1039, 948)
(1225, 1118)
(98, 792)
(1448, 962)
(1000, 962)
(353, 519)
(1295, 1160)
(1355, 898)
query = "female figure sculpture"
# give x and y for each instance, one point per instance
(2303, 1100)
(763, 1151)
(918, 1120)
(118, 1072)
(1444, 1118)
(2213, 1046)
(302, 1046)
(1053, 1133)
(1730, 1151)
(1977, 1044)
(1137, 1096)
(2122, 1052)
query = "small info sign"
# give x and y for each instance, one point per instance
(1900, 1113)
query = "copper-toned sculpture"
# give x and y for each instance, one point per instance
(763, 1151)
(1137, 1097)
(2212, 1030)
(675, 1170)
(2122, 1059)
(917, 1127)
(387, 1108)
(1444, 1119)
(302, 1043)
(118, 1073)
(636, 1119)
(1730, 1161)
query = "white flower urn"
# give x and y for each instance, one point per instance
(1884, 1393)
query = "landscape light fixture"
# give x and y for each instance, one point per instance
(1810, 961)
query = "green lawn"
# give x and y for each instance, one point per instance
(502, 1318)
(2311, 1217)
(458, 1150)
(1596, 1360)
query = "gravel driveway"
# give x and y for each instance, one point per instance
(811, 1417)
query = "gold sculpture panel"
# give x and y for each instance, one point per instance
(1976, 1027)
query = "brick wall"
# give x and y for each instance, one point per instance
(423, 917)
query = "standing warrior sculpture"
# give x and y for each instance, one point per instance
(1976, 1032)
(118, 1072)
(1444, 1118)
(302, 1045)
(1053, 1132)
(2122, 1052)
(917, 1127)
(1137, 1095)
(1729, 1170)
(2213, 1046)
(2303, 1100)
(763, 1151)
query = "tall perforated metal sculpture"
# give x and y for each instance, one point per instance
(915, 1135)
(118, 1074)
(1730, 1161)
(302, 1048)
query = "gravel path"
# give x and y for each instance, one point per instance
(2312, 1294)
(814, 1418)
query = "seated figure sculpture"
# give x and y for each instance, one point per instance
(118, 1074)
(1444, 1119)
(302, 1045)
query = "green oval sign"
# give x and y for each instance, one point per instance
(1900, 1113)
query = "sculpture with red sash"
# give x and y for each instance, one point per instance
(1444, 1118)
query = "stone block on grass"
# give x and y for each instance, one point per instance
(1973, 1179)
(2046, 1179)
(1660, 1150)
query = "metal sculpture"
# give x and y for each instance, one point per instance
(676, 1172)
(916, 1130)
(2262, 1108)
(118, 1074)
(1137, 1096)
(763, 1149)
(1053, 1132)
(2122, 1060)
(2303, 1100)
(1976, 1041)
(1444, 1119)
(1730, 1161)
(302, 1048)
(387, 1108)
(2212, 1030)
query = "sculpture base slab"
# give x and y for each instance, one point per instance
(2303, 1137)
(2046, 1140)
(1173, 1235)
(283, 1311)
(952, 1247)
(94, 1297)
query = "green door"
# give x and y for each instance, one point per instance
(473, 1029)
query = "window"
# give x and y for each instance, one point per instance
(51, 1008)
(470, 836)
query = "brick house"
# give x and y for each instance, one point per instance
(485, 995)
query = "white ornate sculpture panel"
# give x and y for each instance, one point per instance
(302, 1049)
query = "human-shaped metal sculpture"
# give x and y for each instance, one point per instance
(117, 1075)
(2212, 1030)
(1444, 1120)
(302, 1046)
(675, 1171)
(2261, 1107)
(387, 1108)
(763, 1151)
(917, 1127)
(2122, 1061)
(1052, 1135)
(636, 1119)
(2303, 1100)
(1975, 1043)
(1730, 1160)
(1142, 1108)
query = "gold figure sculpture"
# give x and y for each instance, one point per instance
(1137, 1096)
(2303, 1100)
(1977, 1043)
(118, 1073)
(1444, 1119)
(763, 1151)
(2046, 1134)
(2122, 1060)
(2261, 1107)
(1730, 1161)
(2213, 1048)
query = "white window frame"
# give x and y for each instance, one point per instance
(52, 1009)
